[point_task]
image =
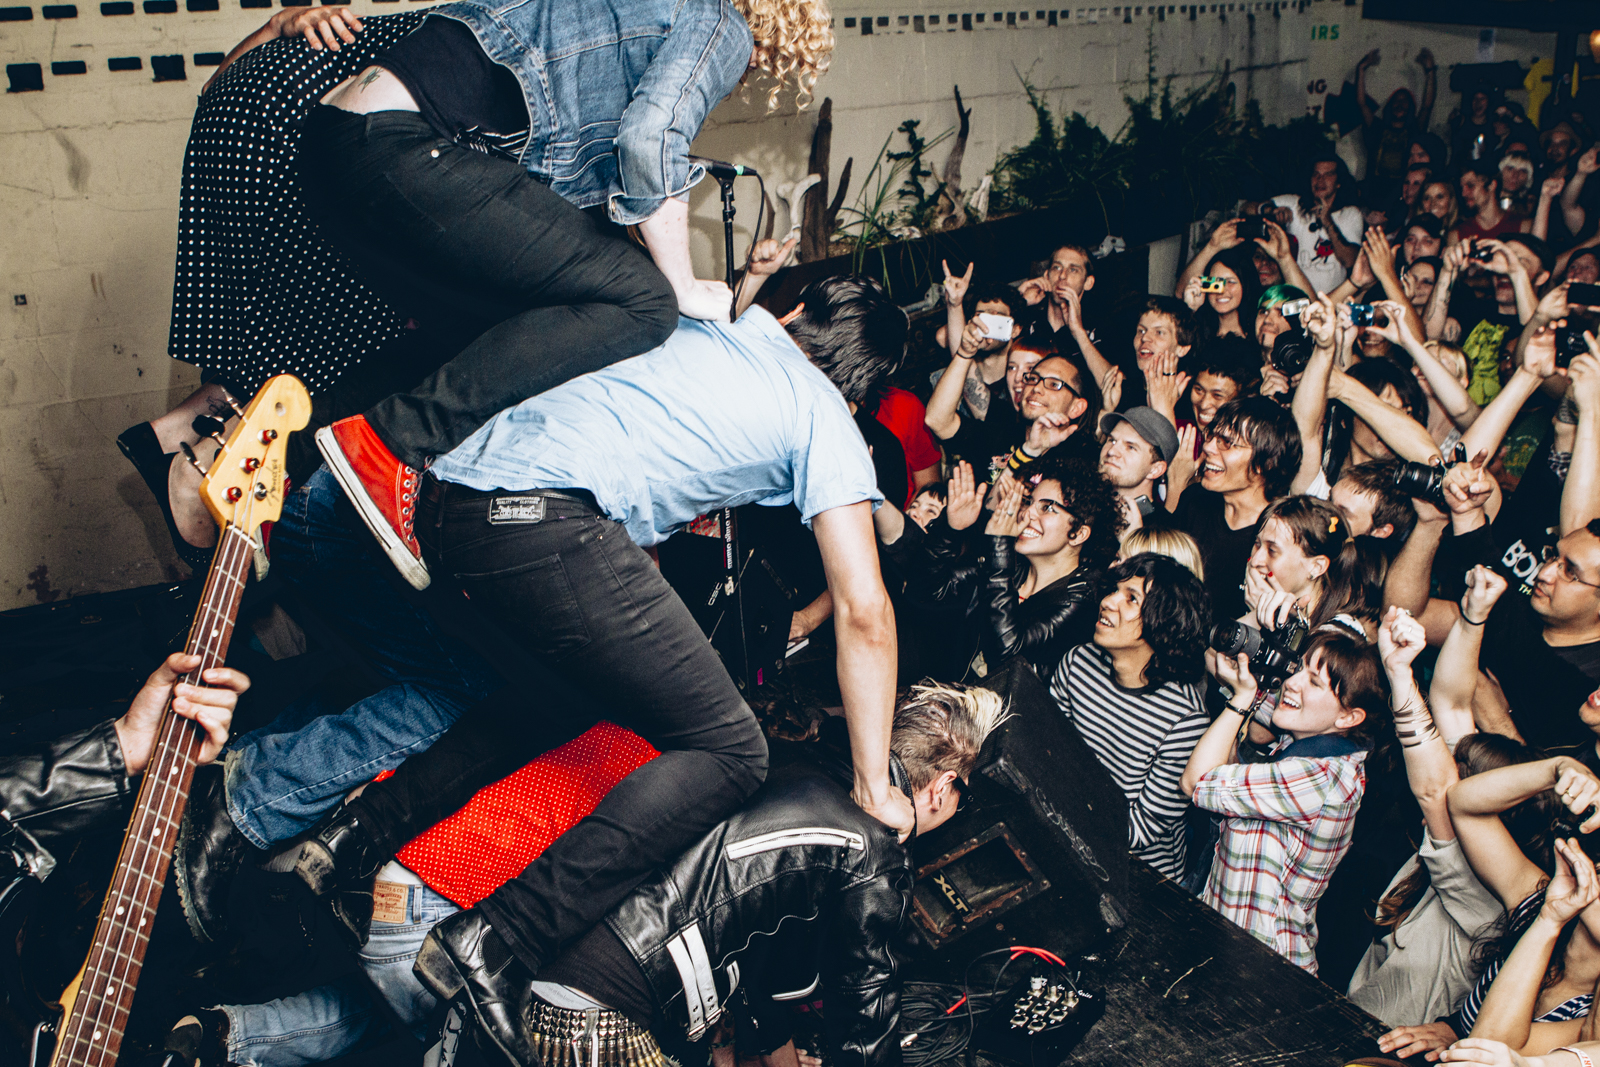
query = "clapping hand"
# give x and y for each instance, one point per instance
(1047, 431)
(1006, 518)
(1111, 390)
(1573, 886)
(1164, 384)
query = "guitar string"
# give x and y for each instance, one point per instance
(105, 993)
(217, 615)
(114, 985)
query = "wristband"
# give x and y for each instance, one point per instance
(1583, 1057)
(1019, 456)
(1469, 622)
(1414, 725)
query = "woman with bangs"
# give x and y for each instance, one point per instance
(1287, 822)
(1306, 563)
(1231, 309)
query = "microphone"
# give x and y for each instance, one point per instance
(724, 171)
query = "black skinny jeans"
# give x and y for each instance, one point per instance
(575, 590)
(518, 290)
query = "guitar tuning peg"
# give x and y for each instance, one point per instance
(234, 404)
(206, 426)
(188, 455)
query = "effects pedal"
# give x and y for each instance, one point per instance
(1039, 1021)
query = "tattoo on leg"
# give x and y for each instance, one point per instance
(372, 76)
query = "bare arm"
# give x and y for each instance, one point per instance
(955, 288)
(1310, 404)
(864, 627)
(1220, 744)
(941, 416)
(1438, 311)
(666, 236)
(1580, 497)
(1455, 676)
(766, 258)
(1405, 436)
(1366, 63)
(1430, 87)
(320, 26)
(1430, 769)
(1476, 804)
(1222, 238)
(1405, 332)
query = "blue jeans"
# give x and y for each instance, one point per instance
(284, 776)
(335, 1019)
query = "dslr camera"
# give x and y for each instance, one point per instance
(1274, 654)
(1291, 351)
(1570, 342)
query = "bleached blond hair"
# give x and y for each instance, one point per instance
(940, 728)
(794, 39)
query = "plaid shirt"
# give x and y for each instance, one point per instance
(1288, 825)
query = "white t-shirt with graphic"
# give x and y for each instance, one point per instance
(1313, 250)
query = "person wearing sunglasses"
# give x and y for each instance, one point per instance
(1133, 694)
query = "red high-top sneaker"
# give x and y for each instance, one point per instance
(383, 489)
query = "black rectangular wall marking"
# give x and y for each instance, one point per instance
(69, 66)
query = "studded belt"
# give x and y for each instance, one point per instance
(596, 1037)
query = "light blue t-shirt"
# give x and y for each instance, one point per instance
(720, 415)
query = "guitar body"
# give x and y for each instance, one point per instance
(242, 489)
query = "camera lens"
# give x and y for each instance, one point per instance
(1423, 481)
(1232, 638)
(1291, 352)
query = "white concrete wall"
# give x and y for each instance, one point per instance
(90, 166)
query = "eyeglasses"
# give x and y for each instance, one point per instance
(1567, 570)
(1055, 385)
(1046, 506)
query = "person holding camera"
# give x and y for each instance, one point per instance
(1287, 822)
(1133, 694)
(1324, 222)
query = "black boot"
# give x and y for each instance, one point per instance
(210, 852)
(464, 953)
(340, 860)
(199, 1040)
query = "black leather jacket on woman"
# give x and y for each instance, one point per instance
(800, 851)
(1043, 627)
(48, 798)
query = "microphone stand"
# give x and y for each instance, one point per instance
(727, 238)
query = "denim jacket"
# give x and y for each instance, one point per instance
(616, 89)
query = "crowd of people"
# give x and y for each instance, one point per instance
(1307, 550)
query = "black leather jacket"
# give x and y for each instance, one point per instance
(1042, 628)
(800, 851)
(48, 798)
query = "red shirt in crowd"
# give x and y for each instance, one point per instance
(903, 414)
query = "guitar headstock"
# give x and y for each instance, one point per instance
(244, 483)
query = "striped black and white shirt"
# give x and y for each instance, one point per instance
(1143, 737)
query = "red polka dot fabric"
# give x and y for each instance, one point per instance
(508, 824)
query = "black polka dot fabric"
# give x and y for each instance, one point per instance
(256, 291)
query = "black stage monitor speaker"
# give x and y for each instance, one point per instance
(1040, 854)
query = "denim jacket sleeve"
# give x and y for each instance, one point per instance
(705, 54)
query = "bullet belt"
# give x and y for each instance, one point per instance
(597, 1037)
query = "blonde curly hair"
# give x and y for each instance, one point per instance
(793, 38)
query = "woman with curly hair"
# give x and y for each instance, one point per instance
(1061, 516)
(1133, 693)
(449, 159)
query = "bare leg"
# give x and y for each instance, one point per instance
(175, 426)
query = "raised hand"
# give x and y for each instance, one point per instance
(1579, 791)
(767, 257)
(1180, 472)
(1034, 290)
(1193, 295)
(1539, 350)
(1320, 319)
(963, 497)
(1047, 431)
(1484, 587)
(1572, 887)
(1589, 162)
(1233, 672)
(1400, 640)
(1276, 242)
(1006, 518)
(1165, 384)
(1552, 187)
(1369, 60)
(956, 285)
(1111, 390)
(1467, 487)
(1585, 375)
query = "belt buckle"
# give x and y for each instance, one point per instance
(514, 510)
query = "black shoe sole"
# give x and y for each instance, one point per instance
(143, 449)
(317, 868)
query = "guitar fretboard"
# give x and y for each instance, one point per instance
(91, 1034)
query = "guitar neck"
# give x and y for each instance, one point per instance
(91, 1033)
